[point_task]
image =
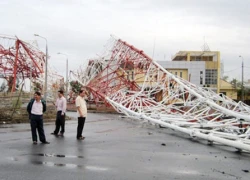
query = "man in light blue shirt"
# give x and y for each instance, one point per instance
(61, 106)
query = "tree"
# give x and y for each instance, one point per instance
(10, 80)
(234, 83)
(225, 78)
(247, 93)
(75, 86)
(237, 85)
(37, 86)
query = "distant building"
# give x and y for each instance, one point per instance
(201, 68)
(227, 89)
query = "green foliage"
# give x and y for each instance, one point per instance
(246, 93)
(75, 86)
(37, 86)
(225, 78)
(235, 83)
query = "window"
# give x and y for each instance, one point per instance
(225, 93)
(201, 77)
(181, 74)
(211, 76)
(130, 75)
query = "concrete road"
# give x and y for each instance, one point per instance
(116, 148)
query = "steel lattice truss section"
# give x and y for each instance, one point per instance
(19, 59)
(138, 87)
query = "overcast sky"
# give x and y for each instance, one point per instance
(80, 28)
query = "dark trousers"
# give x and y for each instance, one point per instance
(60, 122)
(81, 122)
(36, 123)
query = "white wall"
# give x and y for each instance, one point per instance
(193, 67)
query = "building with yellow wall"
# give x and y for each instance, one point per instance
(227, 89)
(202, 68)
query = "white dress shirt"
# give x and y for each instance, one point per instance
(61, 104)
(80, 102)
(37, 108)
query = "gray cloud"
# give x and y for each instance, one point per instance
(80, 28)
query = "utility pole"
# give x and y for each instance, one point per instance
(46, 68)
(242, 80)
(66, 82)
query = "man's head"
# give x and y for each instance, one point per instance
(37, 96)
(60, 93)
(82, 93)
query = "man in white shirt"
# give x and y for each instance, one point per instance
(36, 108)
(82, 113)
(61, 106)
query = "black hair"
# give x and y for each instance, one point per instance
(38, 93)
(60, 91)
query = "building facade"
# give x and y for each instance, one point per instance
(202, 68)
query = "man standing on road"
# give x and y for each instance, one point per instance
(61, 106)
(36, 108)
(82, 113)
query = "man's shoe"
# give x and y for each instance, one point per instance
(46, 142)
(60, 134)
(81, 138)
(34, 142)
(54, 134)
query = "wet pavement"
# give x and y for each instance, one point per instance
(116, 148)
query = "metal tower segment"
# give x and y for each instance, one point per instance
(139, 87)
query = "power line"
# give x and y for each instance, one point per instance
(231, 70)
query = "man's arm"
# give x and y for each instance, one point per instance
(44, 106)
(30, 106)
(64, 106)
(78, 106)
(79, 110)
